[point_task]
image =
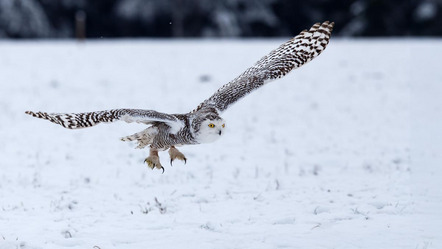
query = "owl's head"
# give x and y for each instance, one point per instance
(210, 128)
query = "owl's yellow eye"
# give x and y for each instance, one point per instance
(211, 125)
(224, 125)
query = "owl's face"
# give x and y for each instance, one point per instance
(210, 130)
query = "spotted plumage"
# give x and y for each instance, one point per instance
(202, 125)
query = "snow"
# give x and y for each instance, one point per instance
(342, 153)
(425, 11)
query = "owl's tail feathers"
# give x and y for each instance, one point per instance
(143, 138)
(69, 120)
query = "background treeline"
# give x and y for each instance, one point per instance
(215, 18)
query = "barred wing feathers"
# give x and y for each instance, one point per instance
(88, 119)
(290, 55)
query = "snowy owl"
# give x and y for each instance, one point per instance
(203, 124)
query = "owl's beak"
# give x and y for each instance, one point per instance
(220, 132)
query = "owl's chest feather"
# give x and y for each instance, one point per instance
(165, 138)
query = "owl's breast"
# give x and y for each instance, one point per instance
(165, 138)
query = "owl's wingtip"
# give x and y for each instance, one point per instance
(37, 114)
(30, 113)
(330, 24)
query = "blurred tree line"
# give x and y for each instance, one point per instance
(215, 18)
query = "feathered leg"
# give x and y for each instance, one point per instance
(153, 160)
(176, 154)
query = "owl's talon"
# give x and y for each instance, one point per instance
(176, 154)
(150, 163)
(153, 161)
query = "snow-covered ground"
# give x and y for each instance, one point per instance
(342, 153)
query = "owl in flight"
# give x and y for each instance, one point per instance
(204, 124)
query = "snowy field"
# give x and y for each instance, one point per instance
(342, 153)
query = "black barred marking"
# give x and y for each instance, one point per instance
(158, 135)
(88, 119)
(297, 51)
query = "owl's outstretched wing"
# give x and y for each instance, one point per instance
(290, 55)
(88, 119)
